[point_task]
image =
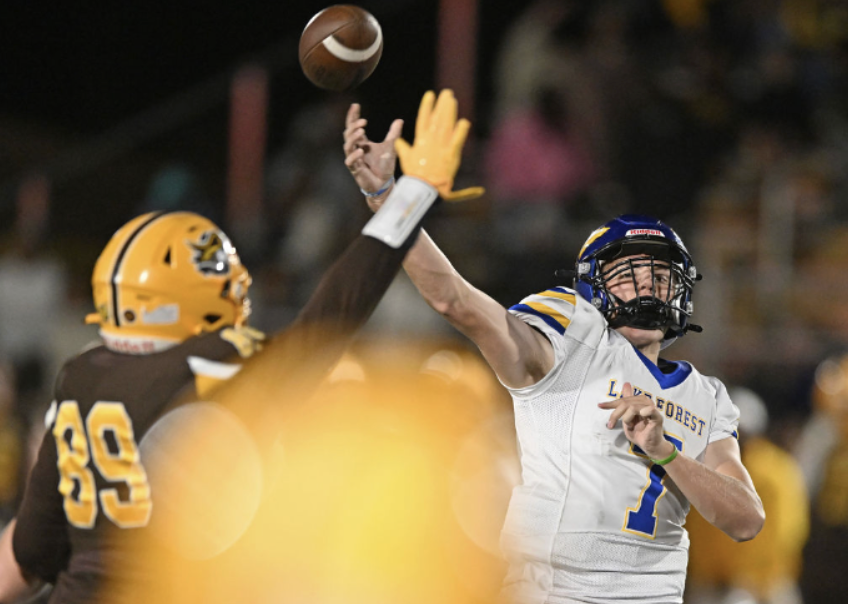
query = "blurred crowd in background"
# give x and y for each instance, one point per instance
(727, 119)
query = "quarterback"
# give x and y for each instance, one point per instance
(615, 443)
(171, 300)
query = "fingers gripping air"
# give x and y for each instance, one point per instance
(435, 154)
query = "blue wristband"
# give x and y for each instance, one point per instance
(382, 190)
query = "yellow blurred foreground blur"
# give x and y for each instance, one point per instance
(389, 485)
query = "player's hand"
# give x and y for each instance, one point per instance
(371, 164)
(435, 154)
(641, 420)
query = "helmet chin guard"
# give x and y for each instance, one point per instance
(632, 245)
(642, 312)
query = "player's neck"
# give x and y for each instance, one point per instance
(650, 350)
(646, 341)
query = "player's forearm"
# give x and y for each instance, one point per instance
(13, 583)
(434, 276)
(724, 501)
(351, 289)
(295, 361)
(469, 310)
(353, 286)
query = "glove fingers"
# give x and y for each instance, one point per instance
(464, 194)
(445, 115)
(402, 148)
(425, 111)
(436, 152)
(460, 134)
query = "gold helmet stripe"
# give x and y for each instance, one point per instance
(119, 261)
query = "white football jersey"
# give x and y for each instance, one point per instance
(594, 520)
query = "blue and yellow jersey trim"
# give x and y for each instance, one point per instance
(554, 306)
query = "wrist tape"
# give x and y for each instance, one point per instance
(406, 205)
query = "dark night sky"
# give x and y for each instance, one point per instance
(88, 65)
(85, 66)
(75, 75)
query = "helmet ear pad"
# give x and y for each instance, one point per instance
(597, 295)
(165, 277)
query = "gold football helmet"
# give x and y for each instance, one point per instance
(165, 277)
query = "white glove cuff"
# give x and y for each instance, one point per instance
(401, 212)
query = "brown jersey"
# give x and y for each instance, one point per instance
(88, 483)
(88, 492)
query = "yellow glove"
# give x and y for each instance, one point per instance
(435, 155)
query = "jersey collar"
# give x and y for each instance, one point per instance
(681, 371)
(136, 344)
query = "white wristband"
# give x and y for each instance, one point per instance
(401, 212)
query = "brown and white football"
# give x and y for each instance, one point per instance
(340, 47)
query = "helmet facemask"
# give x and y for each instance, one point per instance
(659, 277)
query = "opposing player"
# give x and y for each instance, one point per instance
(172, 303)
(615, 442)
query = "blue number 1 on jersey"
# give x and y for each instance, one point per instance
(642, 520)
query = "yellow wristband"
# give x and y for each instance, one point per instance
(669, 459)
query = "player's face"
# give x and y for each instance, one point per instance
(640, 275)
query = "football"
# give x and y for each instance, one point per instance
(340, 47)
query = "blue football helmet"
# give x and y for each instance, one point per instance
(649, 244)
